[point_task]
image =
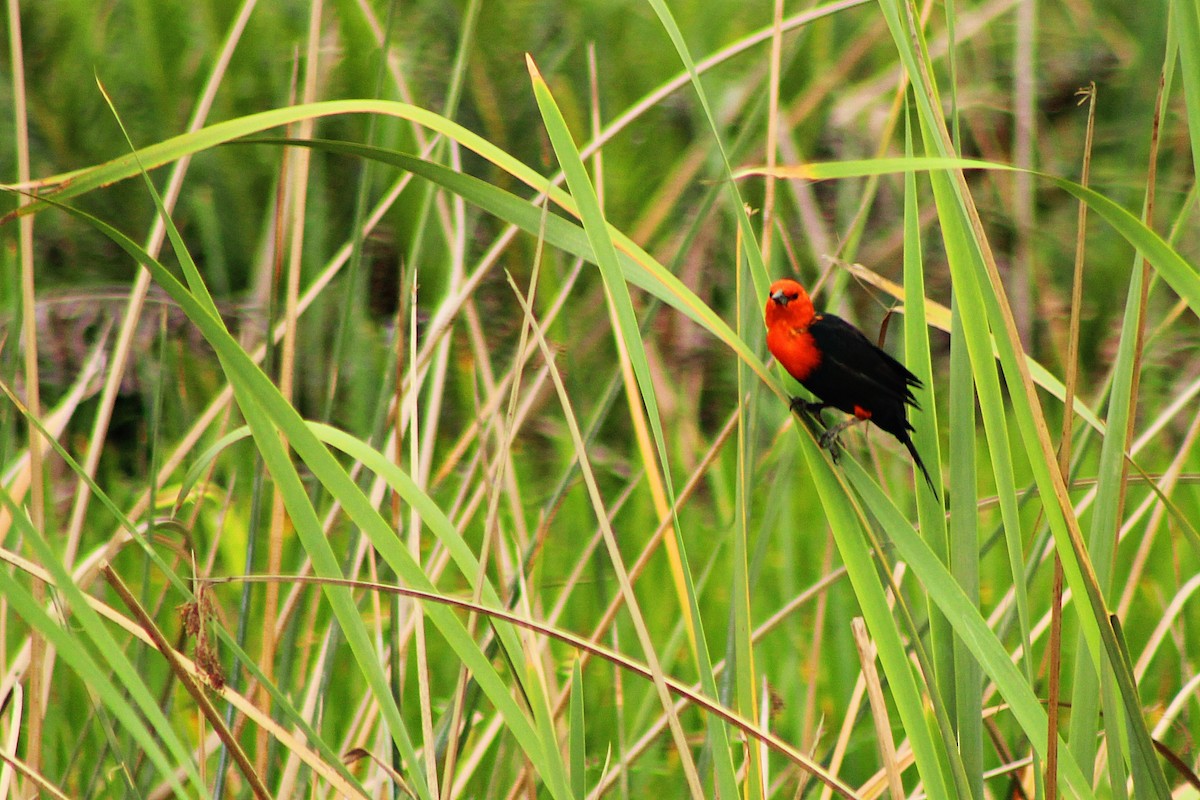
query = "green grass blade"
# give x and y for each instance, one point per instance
(970, 626)
(257, 389)
(142, 720)
(576, 735)
(907, 689)
(1185, 20)
(617, 290)
(964, 547)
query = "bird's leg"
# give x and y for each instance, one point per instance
(814, 409)
(813, 412)
(829, 439)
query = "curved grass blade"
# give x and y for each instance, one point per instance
(967, 622)
(264, 406)
(621, 304)
(149, 731)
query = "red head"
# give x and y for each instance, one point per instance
(789, 304)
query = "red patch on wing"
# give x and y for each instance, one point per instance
(861, 412)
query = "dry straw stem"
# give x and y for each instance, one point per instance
(41, 657)
(614, 553)
(879, 712)
(1064, 458)
(190, 683)
(689, 694)
(12, 764)
(238, 700)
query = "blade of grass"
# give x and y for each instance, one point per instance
(970, 626)
(1185, 21)
(740, 651)
(621, 305)
(268, 409)
(142, 719)
(576, 731)
(631, 603)
(958, 694)
(40, 658)
(1055, 645)
(1089, 687)
(584, 645)
(908, 691)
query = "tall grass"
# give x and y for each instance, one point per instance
(431, 448)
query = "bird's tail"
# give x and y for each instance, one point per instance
(912, 449)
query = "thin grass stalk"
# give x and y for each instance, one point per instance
(41, 655)
(809, 732)
(741, 649)
(452, 725)
(432, 198)
(879, 712)
(772, 148)
(1064, 458)
(14, 767)
(659, 485)
(425, 703)
(1144, 774)
(505, 432)
(602, 242)
(252, 777)
(631, 603)
(297, 180)
(1112, 473)
(137, 295)
(1023, 272)
(842, 743)
(660, 489)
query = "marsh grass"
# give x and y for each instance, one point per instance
(430, 449)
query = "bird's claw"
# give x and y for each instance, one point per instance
(799, 404)
(829, 441)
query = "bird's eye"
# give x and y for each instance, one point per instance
(793, 296)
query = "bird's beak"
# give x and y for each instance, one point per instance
(780, 298)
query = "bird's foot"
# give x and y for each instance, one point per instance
(831, 441)
(799, 404)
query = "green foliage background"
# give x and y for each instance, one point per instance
(650, 315)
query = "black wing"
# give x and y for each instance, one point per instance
(854, 372)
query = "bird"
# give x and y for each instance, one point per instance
(840, 366)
